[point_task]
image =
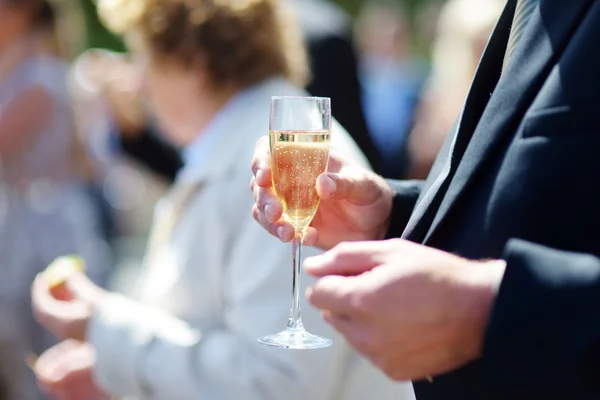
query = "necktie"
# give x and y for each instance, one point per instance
(523, 13)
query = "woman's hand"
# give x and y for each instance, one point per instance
(65, 372)
(66, 318)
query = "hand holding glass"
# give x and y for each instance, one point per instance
(299, 132)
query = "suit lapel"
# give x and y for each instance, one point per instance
(486, 77)
(540, 47)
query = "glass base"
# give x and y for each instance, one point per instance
(297, 339)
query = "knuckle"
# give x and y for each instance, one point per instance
(271, 228)
(255, 213)
(339, 251)
(261, 199)
(358, 303)
(255, 165)
(362, 301)
(256, 194)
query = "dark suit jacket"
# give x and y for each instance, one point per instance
(523, 186)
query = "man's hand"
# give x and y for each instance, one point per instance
(66, 319)
(64, 372)
(412, 310)
(355, 203)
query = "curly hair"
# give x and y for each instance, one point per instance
(242, 41)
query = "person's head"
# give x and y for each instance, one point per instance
(198, 52)
(383, 31)
(20, 17)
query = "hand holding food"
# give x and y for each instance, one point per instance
(59, 271)
(64, 299)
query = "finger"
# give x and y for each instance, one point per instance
(341, 322)
(349, 258)
(83, 288)
(55, 315)
(281, 229)
(261, 163)
(44, 305)
(267, 202)
(354, 184)
(50, 366)
(310, 237)
(353, 331)
(42, 301)
(334, 293)
(67, 373)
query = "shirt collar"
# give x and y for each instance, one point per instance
(195, 154)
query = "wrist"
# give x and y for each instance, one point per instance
(485, 279)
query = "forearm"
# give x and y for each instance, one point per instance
(544, 331)
(406, 194)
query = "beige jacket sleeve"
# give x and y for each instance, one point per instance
(146, 353)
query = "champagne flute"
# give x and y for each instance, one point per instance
(299, 132)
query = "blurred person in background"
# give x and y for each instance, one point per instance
(327, 32)
(463, 30)
(391, 78)
(213, 282)
(122, 187)
(45, 210)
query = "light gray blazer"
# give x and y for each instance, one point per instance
(214, 282)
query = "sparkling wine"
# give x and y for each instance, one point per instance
(297, 159)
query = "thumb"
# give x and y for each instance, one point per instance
(83, 288)
(346, 259)
(353, 184)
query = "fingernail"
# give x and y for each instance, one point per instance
(280, 232)
(331, 183)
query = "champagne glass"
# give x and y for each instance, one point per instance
(299, 132)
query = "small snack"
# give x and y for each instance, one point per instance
(59, 270)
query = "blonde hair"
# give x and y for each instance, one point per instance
(242, 41)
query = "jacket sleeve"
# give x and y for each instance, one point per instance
(152, 152)
(546, 316)
(406, 194)
(146, 353)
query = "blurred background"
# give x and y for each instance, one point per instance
(411, 62)
(397, 72)
(82, 162)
